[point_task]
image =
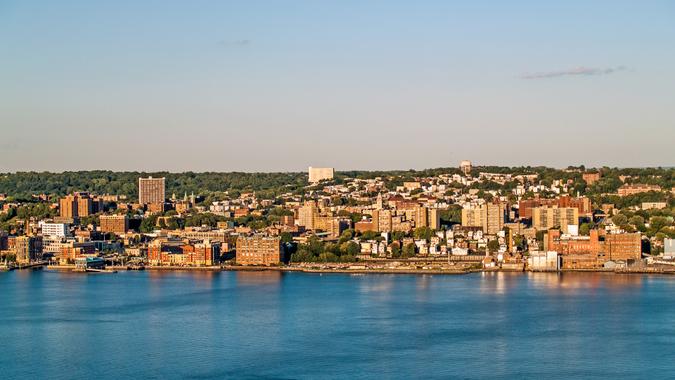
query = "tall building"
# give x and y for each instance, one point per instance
(68, 207)
(79, 204)
(490, 217)
(382, 220)
(320, 174)
(425, 217)
(258, 250)
(434, 217)
(28, 249)
(117, 224)
(545, 218)
(307, 215)
(465, 167)
(85, 205)
(151, 190)
(582, 204)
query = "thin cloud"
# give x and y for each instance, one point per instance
(234, 42)
(577, 71)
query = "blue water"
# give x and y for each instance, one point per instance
(261, 325)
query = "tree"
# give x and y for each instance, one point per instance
(620, 219)
(286, 237)
(395, 249)
(638, 222)
(350, 248)
(585, 229)
(408, 250)
(493, 245)
(423, 233)
(371, 235)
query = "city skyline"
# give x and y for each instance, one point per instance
(370, 86)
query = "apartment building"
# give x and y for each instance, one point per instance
(151, 190)
(490, 217)
(320, 174)
(637, 189)
(546, 218)
(259, 250)
(117, 224)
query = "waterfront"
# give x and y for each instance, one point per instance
(273, 324)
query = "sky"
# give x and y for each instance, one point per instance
(283, 85)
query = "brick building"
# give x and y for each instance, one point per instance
(151, 190)
(183, 253)
(587, 252)
(259, 250)
(637, 189)
(117, 224)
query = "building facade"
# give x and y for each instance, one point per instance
(151, 190)
(490, 217)
(546, 218)
(259, 250)
(117, 224)
(320, 174)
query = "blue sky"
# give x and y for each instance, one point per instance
(282, 85)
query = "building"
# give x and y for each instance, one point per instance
(546, 218)
(637, 189)
(58, 230)
(117, 224)
(412, 185)
(591, 178)
(79, 204)
(543, 261)
(69, 251)
(28, 249)
(151, 190)
(68, 207)
(668, 248)
(307, 215)
(589, 252)
(490, 217)
(183, 253)
(434, 219)
(653, 205)
(90, 262)
(320, 174)
(582, 204)
(259, 250)
(382, 220)
(465, 167)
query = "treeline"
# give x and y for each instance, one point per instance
(22, 185)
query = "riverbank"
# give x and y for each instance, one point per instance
(360, 269)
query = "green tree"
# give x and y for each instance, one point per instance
(620, 219)
(493, 245)
(423, 233)
(585, 229)
(350, 248)
(286, 237)
(408, 250)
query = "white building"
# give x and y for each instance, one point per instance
(59, 230)
(668, 248)
(543, 261)
(320, 174)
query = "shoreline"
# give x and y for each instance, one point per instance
(454, 271)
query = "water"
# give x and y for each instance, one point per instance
(260, 325)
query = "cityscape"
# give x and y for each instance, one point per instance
(304, 189)
(446, 220)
